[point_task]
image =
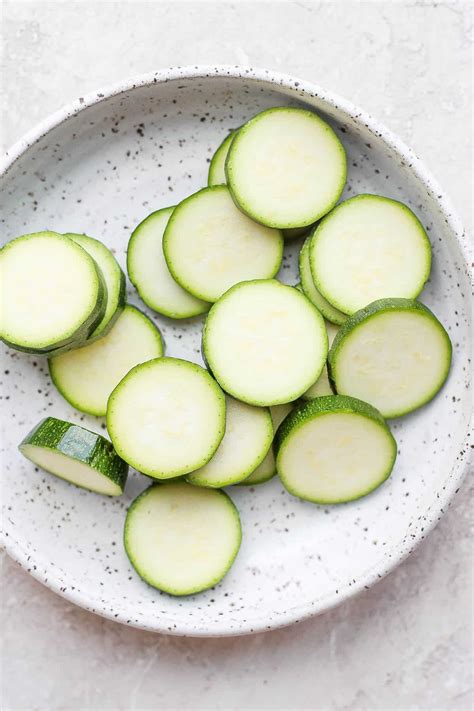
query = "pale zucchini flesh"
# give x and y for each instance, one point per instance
(113, 276)
(210, 245)
(370, 247)
(85, 377)
(166, 417)
(307, 283)
(77, 455)
(55, 292)
(182, 539)
(286, 167)
(247, 440)
(149, 273)
(265, 343)
(394, 354)
(334, 449)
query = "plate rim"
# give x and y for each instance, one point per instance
(440, 500)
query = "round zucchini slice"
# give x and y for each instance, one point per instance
(85, 377)
(149, 273)
(265, 343)
(182, 539)
(248, 437)
(369, 248)
(286, 168)
(334, 449)
(166, 417)
(394, 354)
(77, 455)
(55, 292)
(210, 245)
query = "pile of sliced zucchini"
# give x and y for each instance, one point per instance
(298, 380)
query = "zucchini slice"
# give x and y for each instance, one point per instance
(56, 295)
(149, 272)
(216, 174)
(114, 280)
(182, 539)
(209, 245)
(265, 342)
(334, 449)
(247, 440)
(267, 469)
(370, 247)
(307, 283)
(286, 168)
(322, 386)
(85, 377)
(77, 455)
(166, 417)
(394, 354)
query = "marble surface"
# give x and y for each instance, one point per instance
(404, 644)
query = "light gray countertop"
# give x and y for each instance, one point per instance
(404, 644)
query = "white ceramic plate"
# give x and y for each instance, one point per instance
(100, 166)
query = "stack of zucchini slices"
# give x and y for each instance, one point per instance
(298, 380)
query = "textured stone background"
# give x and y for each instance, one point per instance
(405, 644)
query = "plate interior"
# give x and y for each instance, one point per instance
(101, 172)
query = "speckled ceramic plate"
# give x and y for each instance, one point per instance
(100, 166)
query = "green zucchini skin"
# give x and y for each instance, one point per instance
(79, 444)
(325, 405)
(121, 303)
(371, 311)
(102, 303)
